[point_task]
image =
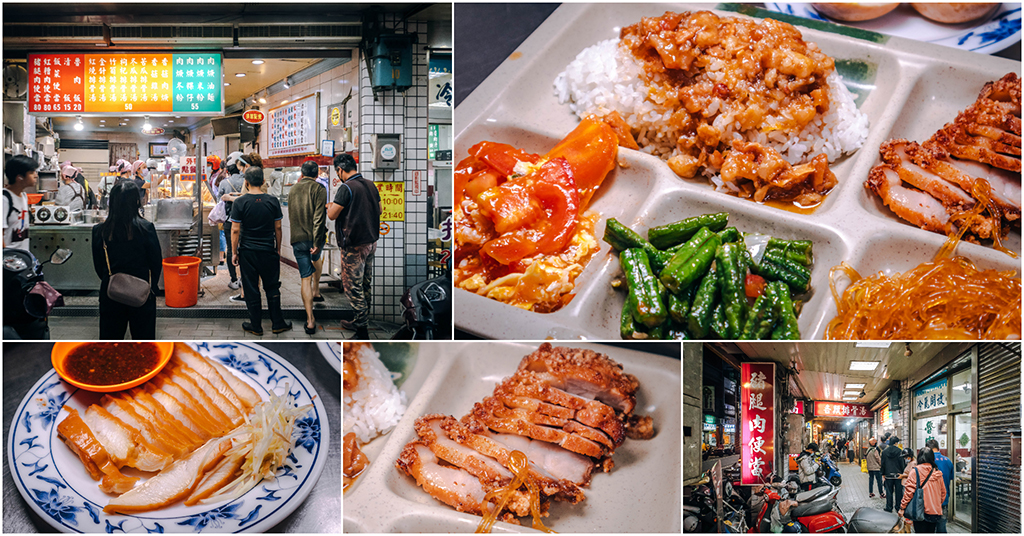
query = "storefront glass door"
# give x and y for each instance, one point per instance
(962, 455)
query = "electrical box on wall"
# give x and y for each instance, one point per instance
(391, 62)
(387, 150)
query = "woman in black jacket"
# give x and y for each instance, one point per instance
(132, 247)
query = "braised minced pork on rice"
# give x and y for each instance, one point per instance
(694, 87)
(373, 405)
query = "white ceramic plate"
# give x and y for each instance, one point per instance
(332, 353)
(57, 487)
(986, 35)
(908, 89)
(640, 495)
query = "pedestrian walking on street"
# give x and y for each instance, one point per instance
(893, 465)
(874, 462)
(946, 466)
(307, 214)
(126, 243)
(357, 209)
(925, 475)
(230, 190)
(808, 468)
(256, 240)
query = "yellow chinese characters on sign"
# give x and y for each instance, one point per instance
(392, 198)
(128, 82)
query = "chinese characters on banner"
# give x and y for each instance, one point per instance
(293, 128)
(757, 399)
(931, 396)
(189, 84)
(798, 407)
(840, 409)
(392, 197)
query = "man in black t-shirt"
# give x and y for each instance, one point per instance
(356, 209)
(256, 243)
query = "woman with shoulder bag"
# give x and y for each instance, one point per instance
(126, 256)
(923, 493)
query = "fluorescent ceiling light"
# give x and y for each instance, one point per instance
(855, 386)
(863, 365)
(257, 62)
(849, 398)
(227, 83)
(873, 344)
(239, 75)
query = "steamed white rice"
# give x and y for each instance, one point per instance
(375, 405)
(605, 78)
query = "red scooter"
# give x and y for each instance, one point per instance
(814, 511)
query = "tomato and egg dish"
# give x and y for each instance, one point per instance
(522, 229)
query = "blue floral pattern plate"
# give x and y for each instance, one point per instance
(987, 35)
(57, 487)
(331, 352)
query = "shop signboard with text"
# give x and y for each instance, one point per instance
(125, 84)
(931, 396)
(392, 199)
(841, 409)
(798, 407)
(757, 402)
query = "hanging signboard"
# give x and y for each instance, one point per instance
(884, 416)
(757, 401)
(841, 409)
(293, 127)
(931, 396)
(253, 117)
(798, 407)
(392, 198)
(125, 84)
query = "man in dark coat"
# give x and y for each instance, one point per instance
(893, 466)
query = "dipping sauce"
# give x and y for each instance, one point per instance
(355, 460)
(111, 363)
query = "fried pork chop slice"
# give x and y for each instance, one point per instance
(494, 415)
(988, 131)
(450, 485)
(585, 373)
(528, 390)
(559, 474)
(912, 205)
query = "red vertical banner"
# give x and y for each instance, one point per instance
(757, 401)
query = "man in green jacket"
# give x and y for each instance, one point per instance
(307, 214)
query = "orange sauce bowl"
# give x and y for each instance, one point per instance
(61, 351)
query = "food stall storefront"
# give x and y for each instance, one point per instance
(122, 85)
(170, 85)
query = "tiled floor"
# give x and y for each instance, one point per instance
(854, 494)
(217, 296)
(216, 292)
(83, 328)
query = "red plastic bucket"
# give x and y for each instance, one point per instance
(181, 281)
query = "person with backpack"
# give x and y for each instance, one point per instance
(893, 466)
(924, 493)
(21, 174)
(874, 464)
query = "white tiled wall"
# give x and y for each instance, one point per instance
(333, 86)
(401, 258)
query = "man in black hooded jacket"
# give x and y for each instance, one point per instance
(893, 465)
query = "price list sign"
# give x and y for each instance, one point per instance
(392, 197)
(120, 84)
(293, 127)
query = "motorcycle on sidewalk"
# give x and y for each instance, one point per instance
(428, 311)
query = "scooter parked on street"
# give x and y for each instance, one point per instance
(700, 513)
(814, 511)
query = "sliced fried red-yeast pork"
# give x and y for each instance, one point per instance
(76, 435)
(565, 409)
(585, 373)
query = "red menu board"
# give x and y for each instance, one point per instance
(757, 400)
(841, 409)
(56, 83)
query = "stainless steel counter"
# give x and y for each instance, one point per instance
(25, 363)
